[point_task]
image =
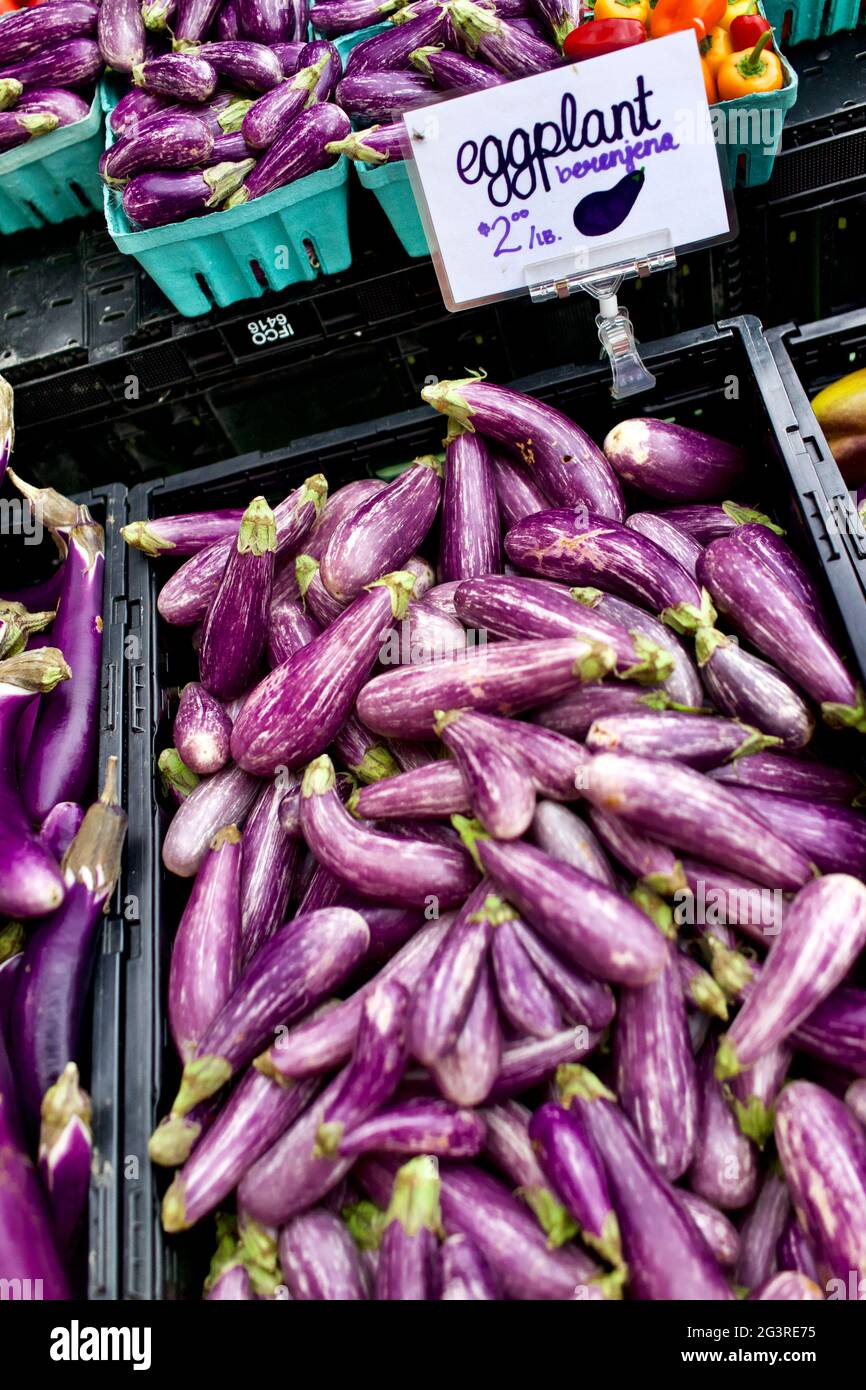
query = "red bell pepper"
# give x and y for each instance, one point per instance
(602, 36)
(746, 29)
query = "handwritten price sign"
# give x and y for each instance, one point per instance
(572, 164)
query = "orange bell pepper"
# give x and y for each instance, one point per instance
(622, 9)
(709, 82)
(715, 48)
(672, 16)
(755, 70)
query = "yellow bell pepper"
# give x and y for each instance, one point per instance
(745, 74)
(715, 48)
(622, 9)
(735, 9)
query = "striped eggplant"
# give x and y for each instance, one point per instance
(777, 623)
(290, 625)
(383, 532)
(272, 114)
(564, 462)
(668, 537)
(788, 1287)
(501, 791)
(769, 549)
(70, 63)
(592, 925)
(560, 16)
(202, 730)
(687, 811)
(667, 1258)
(194, 19)
(394, 47)
(444, 994)
(583, 1000)
(682, 685)
(241, 63)
(855, 1099)
(823, 1153)
(185, 534)
(182, 76)
(157, 13)
(126, 118)
(155, 198)
(375, 144)
(720, 900)
(223, 799)
(266, 21)
(67, 106)
(425, 635)
(205, 957)
(407, 1270)
(563, 835)
(708, 521)
(466, 1276)
(673, 462)
(557, 765)
(801, 778)
(334, 17)
(507, 677)
(288, 53)
(833, 836)
(517, 493)
(506, 47)
(377, 1065)
(515, 607)
(720, 1234)
(648, 860)
(573, 714)
(585, 548)
(298, 151)
(698, 740)
(421, 1125)
(469, 544)
(745, 687)
(270, 859)
(381, 95)
(292, 972)
(320, 1260)
(29, 32)
(725, 1167)
(753, 1093)
(467, 1073)
(121, 34)
(367, 758)
(571, 1163)
(435, 790)
(825, 931)
(531, 1060)
(236, 627)
(455, 71)
(761, 1232)
(526, 1000)
(509, 1144)
(322, 606)
(794, 1250)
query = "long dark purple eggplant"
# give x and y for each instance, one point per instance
(266, 21)
(202, 730)
(241, 63)
(667, 1257)
(422, 1125)
(300, 150)
(407, 1270)
(383, 532)
(823, 1154)
(182, 76)
(824, 933)
(320, 1261)
(194, 19)
(725, 1167)
(563, 835)
(270, 859)
(781, 627)
(585, 548)
(71, 63)
(798, 777)
(745, 687)
(565, 463)
(574, 1170)
(30, 31)
(469, 545)
(236, 627)
(62, 759)
(381, 95)
(501, 791)
(223, 799)
(268, 117)
(443, 996)
(466, 1276)
(590, 924)
(169, 141)
(761, 1232)
(59, 954)
(673, 462)
(833, 836)
(689, 812)
(334, 17)
(205, 958)
(506, 678)
(121, 34)
(698, 740)
(155, 198)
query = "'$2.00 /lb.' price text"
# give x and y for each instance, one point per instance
(500, 229)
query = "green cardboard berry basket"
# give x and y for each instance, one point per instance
(53, 179)
(810, 19)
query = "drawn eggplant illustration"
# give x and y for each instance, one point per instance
(602, 212)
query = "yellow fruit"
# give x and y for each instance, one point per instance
(841, 407)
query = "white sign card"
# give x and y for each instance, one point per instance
(569, 165)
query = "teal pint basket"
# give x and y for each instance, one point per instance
(52, 179)
(390, 185)
(810, 19)
(290, 235)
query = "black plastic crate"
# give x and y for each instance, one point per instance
(22, 564)
(722, 379)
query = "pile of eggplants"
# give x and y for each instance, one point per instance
(523, 953)
(50, 59)
(226, 102)
(60, 849)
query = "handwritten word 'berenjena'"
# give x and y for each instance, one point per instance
(517, 167)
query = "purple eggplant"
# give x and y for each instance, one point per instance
(422, 1125)
(340, 504)
(509, 1145)
(526, 1000)
(425, 635)
(291, 973)
(121, 34)
(383, 867)
(59, 954)
(833, 836)
(687, 811)
(508, 677)
(156, 14)
(457, 72)
(266, 21)
(29, 32)
(648, 860)
(294, 713)
(232, 1284)
(590, 924)
(508, 48)
(382, 95)
(825, 931)
(745, 687)
(585, 1001)
(334, 17)
(725, 1167)
(270, 858)
(202, 730)
(708, 521)
(531, 1060)
(575, 713)
(444, 995)
(778, 624)
(67, 106)
(501, 792)
(409, 1248)
(169, 141)
(574, 1170)
(252, 1119)
(769, 549)
(700, 741)
(583, 548)
(322, 606)
(300, 150)
(319, 1045)
(290, 625)
(182, 76)
(320, 1260)
(71, 63)
(655, 1070)
(243, 64)
(194, 19)
(517, 493)
(359, 750)
(154, 198)
(28, 1252)
(62, 758)
(682, 686)
(375, 144)
(271, 115)
(66, 1156)
(31, 883)
(823, 1153)
(127, 116)
(761, 1231)
(509, 1238)
(668, 537)
(562, 460)
(467, 1073)
(205, 957)
(667, 1257)
(383, 532)
(394, 47)
(673, 462)
(223, 799)
(563, 835)
(19, 127)
(855, 1099)
(466, 1276)
(186, 597)
(176, 1136)
(177, 781)
(60, 828)
(557, 766)
(469, 544)
(517, 607)
(794, 1250)
(786, 1287)
(186, 534)
(720, 1234)
(560, 16)
(236, 626)
(700, 989)
(721, 900)
(798, 777)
